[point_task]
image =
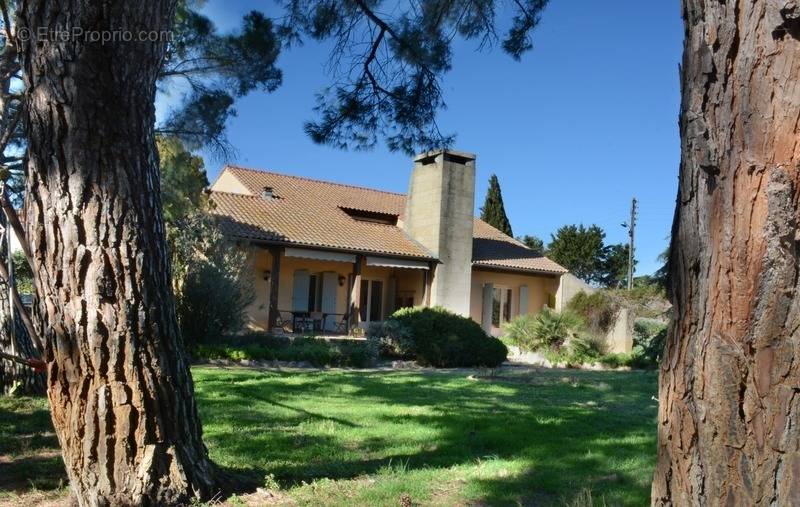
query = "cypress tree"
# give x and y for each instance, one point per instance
(493, 212)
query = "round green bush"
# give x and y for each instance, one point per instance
(444, 339)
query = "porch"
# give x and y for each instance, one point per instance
(303, 291)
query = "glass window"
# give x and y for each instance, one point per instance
(376, 301)
(404, 300)
(312, 293)
(497, 295)
(507, 306)
(364, 300)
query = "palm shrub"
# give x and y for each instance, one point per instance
(547, 330)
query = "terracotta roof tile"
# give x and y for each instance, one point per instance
(310, 212)
(492, 248)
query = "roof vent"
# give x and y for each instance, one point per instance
(267, 194)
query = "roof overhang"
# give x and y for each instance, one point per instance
(288, 244)
(519, 271)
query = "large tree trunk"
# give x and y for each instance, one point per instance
(729, 417)
(120, 390)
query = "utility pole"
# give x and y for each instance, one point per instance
(631, 231)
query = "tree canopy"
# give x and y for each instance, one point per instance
(389, 59)
(534, 243)
(493, 212)
(583, 251)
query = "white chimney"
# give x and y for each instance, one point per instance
(439, 215)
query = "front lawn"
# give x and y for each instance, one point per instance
(388, 437)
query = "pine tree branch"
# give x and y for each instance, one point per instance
(16, 225)
(23, 312)
(36, 364)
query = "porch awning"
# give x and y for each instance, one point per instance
(386, 262)
(320, 255)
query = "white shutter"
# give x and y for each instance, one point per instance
(488, 298)
(330, 284)
(523, 300)
(300, 291)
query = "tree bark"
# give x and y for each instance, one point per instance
(120, 390)
(729, 416)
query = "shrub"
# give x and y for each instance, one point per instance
(618, 359)
(587, 348)
(648, 343)
(211, 303)
(519, 332)
(392, 339)
(210, 277)
(547, 330)
(597, 310)
(445, 339)
(315, 351)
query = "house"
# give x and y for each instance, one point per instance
(346, 255)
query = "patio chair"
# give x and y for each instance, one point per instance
(317, 321)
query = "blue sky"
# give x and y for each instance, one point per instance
(584, 122)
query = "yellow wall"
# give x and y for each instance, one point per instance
(539, 288)
(227, 182)
(407, 281)
(260, 260)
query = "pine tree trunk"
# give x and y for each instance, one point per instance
(119, 385)
(729, 417)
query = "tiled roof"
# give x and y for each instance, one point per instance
(493, 249)
(311, 213)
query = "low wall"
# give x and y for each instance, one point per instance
(620, 336)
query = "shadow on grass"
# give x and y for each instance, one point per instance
(29, 454)
(530, 439)
(560, 431)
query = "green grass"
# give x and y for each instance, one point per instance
(354, 438)
(29, 456)
(370, 438)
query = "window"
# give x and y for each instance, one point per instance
(404, 299)
(312, 293)
(363, 304)
(501, 306)
(376, 301)
(370, 216)
(496, 304)
(371, 301)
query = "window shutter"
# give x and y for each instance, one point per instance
(330, 285)
(523, 300)
(488, 297)
(300, 291)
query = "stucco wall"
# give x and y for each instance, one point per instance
(260, 260)
(227, 182)
(569, 286)
(540, 288)
(439, 215)
(620, 337)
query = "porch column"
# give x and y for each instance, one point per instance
(355, 294)
(274, 281)
(427, 283)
